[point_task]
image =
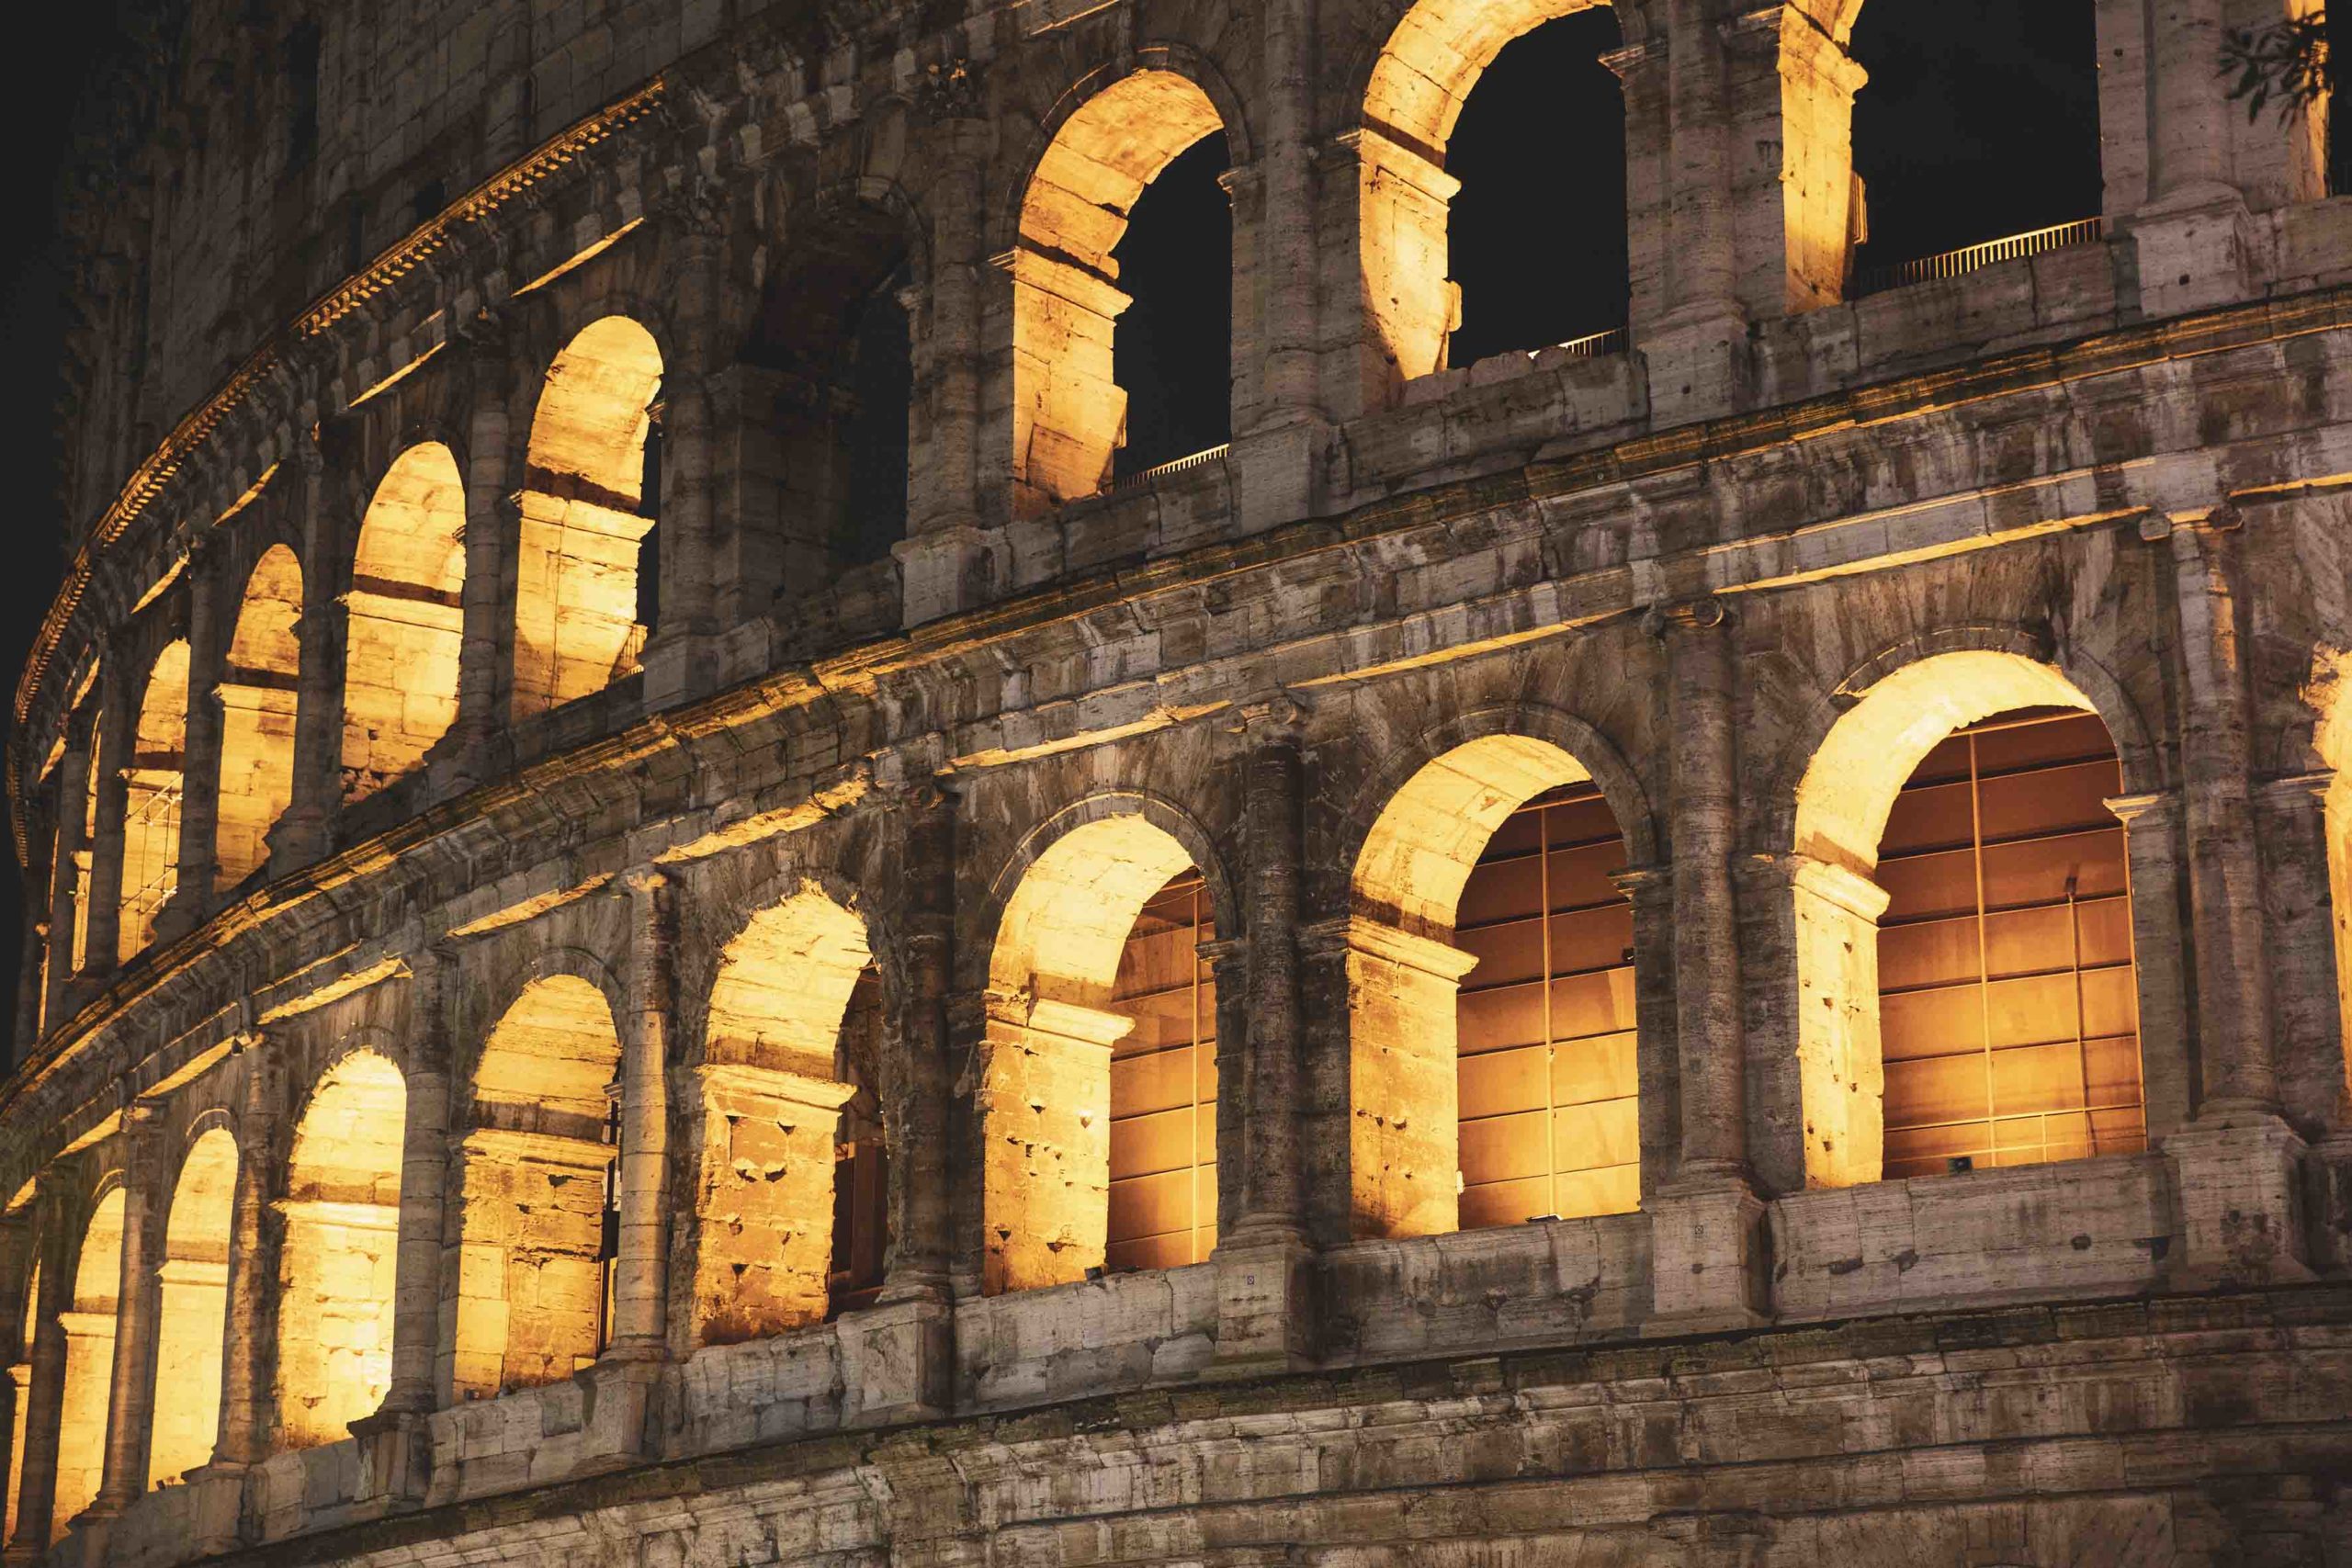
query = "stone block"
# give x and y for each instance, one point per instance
(1265, 1307)
(1708, 1246)
(897, 1363)
(2240, 1191)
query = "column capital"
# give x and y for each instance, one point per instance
(1277, 718)
(1705, 614)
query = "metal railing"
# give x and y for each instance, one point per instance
(1968, 258)
(1138, 479)
(1592, 345)
(151, 837)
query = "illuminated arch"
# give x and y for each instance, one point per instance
(584, 516)
(1047, 1099)
(1424, 1111)
(400, 692)
(258, 692)
(153, 787)
(780, 1087)
(535, 1241)
(1419, 84)
(337, 1273)
(1842, 807)
(1068, 413)
(192, 1310)
(20, 1373)
(89, 1325)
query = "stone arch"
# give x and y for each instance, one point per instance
(1049, 1094)
(20, 1373)
(1428, 1119)
(1901, 711)
(192, 1308)
(1069, 411)
(152, 786)
(78, 945)
(337, 1267)
(89, 1322)
(779, 1082)
(258, 692)
(408, 574)
(2329, 692)
(538, 1230)
(584, 515)
(1418, 81)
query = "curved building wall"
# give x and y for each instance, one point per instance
(664, 1015)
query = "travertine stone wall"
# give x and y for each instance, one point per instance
(430, 1146)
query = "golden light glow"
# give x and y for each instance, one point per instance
(192, 1310)
(342, 1209)
(89, 1325)
(530, 1273)
(575, 612)
(1070, 413)
(258, 693)
(151, 828)
(399, 691)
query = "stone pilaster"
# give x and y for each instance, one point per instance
(45, 1395)
(493, 541)
(305, 830)
(201, 771)
(131, 1394)
(118, 723)
(919, 1084)
(1697, 348)
(946, 559)
(257, 1234)
(2240, 1166)
(1707, 1225)
(640, 1330)
(72, 807)
(677, 658)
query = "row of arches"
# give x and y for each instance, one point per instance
(1966, 979)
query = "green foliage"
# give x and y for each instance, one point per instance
(2285, 63)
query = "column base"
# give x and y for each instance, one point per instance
(621, 1391)
(944, 570)
(1277, 473)
(897, 1363)
(2196, 250)
(1699, 364)
(395, 1457)
(2238, 1194)
(217, 1508)
(2327, 1197)
(679, 667)
(1265, 1306)
(1709, 1258)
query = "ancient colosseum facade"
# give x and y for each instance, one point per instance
(1720, 945)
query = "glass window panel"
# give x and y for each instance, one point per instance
(1163, 1088)
(1503, 1148)
(1603, 1067)
(1498, 1021)
(1502, 1082)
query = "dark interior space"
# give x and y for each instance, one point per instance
(1172, 352)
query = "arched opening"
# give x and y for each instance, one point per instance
(1965, 986)
(1172, 351)
(89, 1326)
(89, 808)
(1553, 269)
(257, 698)
(1979, 123)
(832, 363)
(21, 1379)
(791, 1216)
(1074, 1096)
(407, 620)
(540, 1228)
(1552, 88)
(343, 1209)
(193, 1310)
(585, 517)
(1070, 413)
(152, 791)
(1490, 964)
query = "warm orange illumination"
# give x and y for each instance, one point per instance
(1471, 1071)
(1419, 86)
(1068, 413)
(1163, 1087)
(193, 1310)
(89, 1364)
(1045, 1089)
(2008, 1003)
(575, 611)
(341, 1210)
(532, 1259)
(20, 1376)
(400, 692)
(778, 1072)
(1842, 808)
(151, 817)
(257, 700)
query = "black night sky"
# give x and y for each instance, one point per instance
(1981, 120)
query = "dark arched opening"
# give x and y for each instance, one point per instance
(1171, 352)
(1537, 233)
